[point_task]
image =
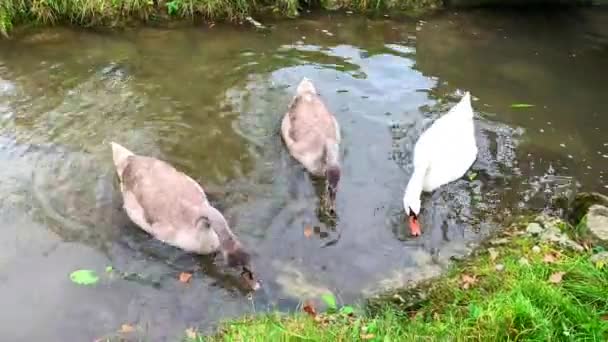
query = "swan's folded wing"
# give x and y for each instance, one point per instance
(166, 195)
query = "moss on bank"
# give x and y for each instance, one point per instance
(117, 12)
(520, 289)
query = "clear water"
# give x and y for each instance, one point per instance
(209, 100)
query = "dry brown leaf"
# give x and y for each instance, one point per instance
(556, 277)
(309, 308)
(367, 336)
(126, 328)
(549, 258)
(308, 231)
(467, 281)
(604, 317)
(191, 333)
(185, 277)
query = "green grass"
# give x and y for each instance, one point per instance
(117, 12)
(518, 303)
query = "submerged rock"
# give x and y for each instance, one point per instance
(597, 222)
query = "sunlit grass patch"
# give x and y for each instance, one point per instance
(523, 290)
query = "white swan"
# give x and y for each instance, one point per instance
(443, 153)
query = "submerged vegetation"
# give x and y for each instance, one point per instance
(117, 12)
(521, 288)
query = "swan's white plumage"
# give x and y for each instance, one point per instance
(443, 153)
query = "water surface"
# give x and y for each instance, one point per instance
(209, 100)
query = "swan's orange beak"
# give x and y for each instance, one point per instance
(414, 226)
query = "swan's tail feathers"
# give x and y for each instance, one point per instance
(120, 156)
(306, 87)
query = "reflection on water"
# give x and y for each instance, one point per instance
(210, 102)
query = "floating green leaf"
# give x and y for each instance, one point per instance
(521, 105)
(109, 269)
(84, 277)
(330, 300)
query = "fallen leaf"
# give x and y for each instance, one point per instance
(191, 333)
(126, 328)
(185, 277)
(330, 300)
(308, 231)
(309, 308)
(84, 277)
(109, 269)
(472, 176)
(367, 336)
(550, 258)
(556, 277)
(468, 280)
(604, 317)
(493, 254)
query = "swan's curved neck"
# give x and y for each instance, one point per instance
(332, 154)
(219, 225)
(414, 186)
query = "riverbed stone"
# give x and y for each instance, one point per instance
(581, 203)
(599, 257)
(534, 228)
(597, 222)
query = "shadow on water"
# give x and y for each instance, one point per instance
(210, 102)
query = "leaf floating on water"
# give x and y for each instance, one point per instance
(109, 269)
(330, 300)
(556, 277)
(468, 280)
(308, 231)
(126, 328)
(185, 277)
(521, 105)
(84, 277)
(309, 308)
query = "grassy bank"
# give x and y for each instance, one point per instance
(117, 12)
(520, 289)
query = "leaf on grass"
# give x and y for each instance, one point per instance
(467, 281)
(84, 277)
(330, 300)
(191, 333)
(550, 258)
(604, 317)
(126, 328)
(493, 254)
(556, 277)
(347, 310)
(367, 336)
(309, 308)
(308, 231)
(521, 105)
(185, 277)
